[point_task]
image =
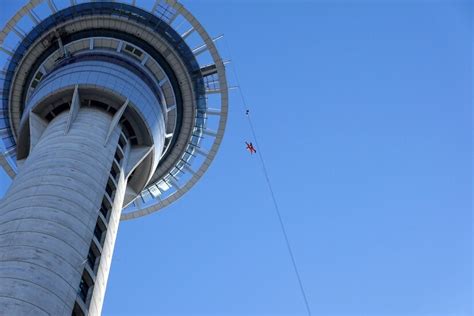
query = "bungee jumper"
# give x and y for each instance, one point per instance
(250, 148)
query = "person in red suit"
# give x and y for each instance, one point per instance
(250, 148)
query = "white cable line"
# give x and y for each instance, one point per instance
(267, 178)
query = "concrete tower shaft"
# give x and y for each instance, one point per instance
(80, 160)
(50, 224)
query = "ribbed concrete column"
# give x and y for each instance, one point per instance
(102, 275)
(48, 215)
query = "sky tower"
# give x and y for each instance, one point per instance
(109, 111)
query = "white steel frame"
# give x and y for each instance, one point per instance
(154, 197)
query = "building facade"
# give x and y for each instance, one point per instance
(109, 111)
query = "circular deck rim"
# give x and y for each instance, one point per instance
(196, 170)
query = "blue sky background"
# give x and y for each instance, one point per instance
(363, 111)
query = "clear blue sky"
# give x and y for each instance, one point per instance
(363, 111)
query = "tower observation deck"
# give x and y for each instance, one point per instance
(109, 111)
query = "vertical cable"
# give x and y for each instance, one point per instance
(270, 188)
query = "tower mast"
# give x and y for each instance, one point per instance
(109, 112)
